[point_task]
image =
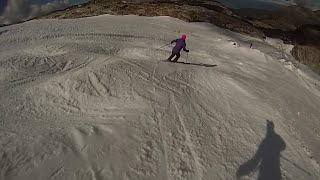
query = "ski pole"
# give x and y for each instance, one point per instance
(187, 57)
(295, 165)
(162, 46)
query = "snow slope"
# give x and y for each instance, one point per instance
(92, 99)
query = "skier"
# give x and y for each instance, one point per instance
(180, 44)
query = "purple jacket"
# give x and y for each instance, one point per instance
(180, 44)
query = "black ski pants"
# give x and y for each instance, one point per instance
(176, 58)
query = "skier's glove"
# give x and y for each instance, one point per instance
(187, 50)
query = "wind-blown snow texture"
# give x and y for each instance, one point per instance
(92, 99)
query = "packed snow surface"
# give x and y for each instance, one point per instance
(93, 99)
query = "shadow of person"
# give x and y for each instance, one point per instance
(195, 64)
(201, 64)
(267, 157)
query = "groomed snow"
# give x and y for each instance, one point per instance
(92, 99)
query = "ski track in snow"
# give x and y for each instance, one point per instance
(92, 98)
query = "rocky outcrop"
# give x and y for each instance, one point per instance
(250, 12)
(308, 55)
(294, 25)
(289, 18)
(307, 35)
(307, 46)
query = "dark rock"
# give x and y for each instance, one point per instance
(289, 18)
(308, 55)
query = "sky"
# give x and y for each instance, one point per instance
(13, 11)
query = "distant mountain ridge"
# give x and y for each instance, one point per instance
(290, 18)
